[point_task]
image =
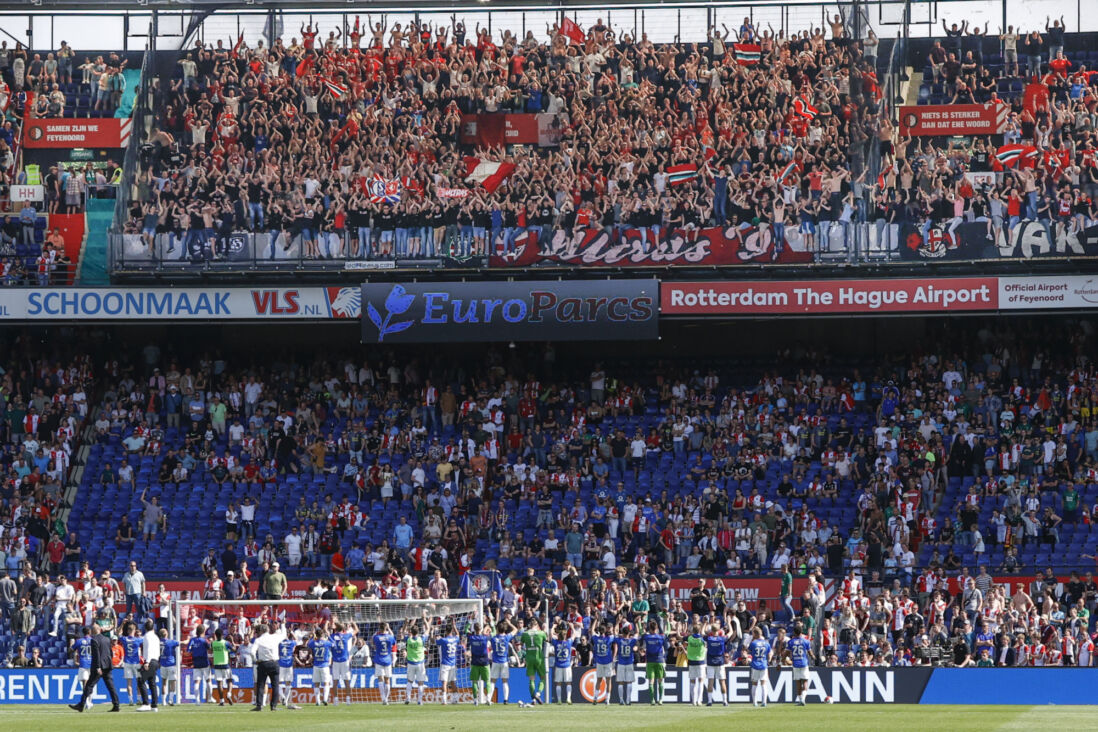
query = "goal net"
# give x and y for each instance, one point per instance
(300, 620)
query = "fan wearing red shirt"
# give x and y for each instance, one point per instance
(56, 552)
(1060, 65)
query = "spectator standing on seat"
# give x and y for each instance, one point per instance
(1055, 36)
(28, 215)
(152, 517)
(133, 582)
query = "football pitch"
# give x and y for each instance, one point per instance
(556, 718)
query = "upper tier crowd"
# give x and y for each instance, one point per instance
(286, 140)
(1051, 97)
(283, 139)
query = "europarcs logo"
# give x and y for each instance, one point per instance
(487, 311)
(396, 303)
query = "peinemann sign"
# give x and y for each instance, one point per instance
(510, 311)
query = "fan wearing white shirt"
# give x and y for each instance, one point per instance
(292, 542)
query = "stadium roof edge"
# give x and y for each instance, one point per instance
(36, 7)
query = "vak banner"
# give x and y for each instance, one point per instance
(1030, 239)
(509, 311)
(712, 246)
(109, 132)
(954, 119)
(826, 297)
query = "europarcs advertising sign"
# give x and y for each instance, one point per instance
(510, 311)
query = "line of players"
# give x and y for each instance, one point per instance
(618, 652)
(329, 656)
(614, 652)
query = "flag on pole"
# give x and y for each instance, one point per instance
(571, 31)
(479, 584)
(238, 45)
(747, 54)
(683, 173)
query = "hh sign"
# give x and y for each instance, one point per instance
(69, 133)
(506, 311)
(954, 119)
(28, 193)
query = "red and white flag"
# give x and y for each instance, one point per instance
(847, 400)
(338, 91)
(572, 32)
(882, 177)
(747, 54)
(802, 108)
(488, 173)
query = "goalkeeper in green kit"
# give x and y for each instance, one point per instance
(533, 642)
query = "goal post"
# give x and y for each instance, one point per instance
(300, 618)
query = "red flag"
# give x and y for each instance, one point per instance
(412, 185)
(239, 44)
(305, 66)
(1056, 162)
(573, 32)
(1036, 97)
(1044, 402)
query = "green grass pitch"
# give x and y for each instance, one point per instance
(434, 718)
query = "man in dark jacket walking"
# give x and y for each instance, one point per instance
(100, 669)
